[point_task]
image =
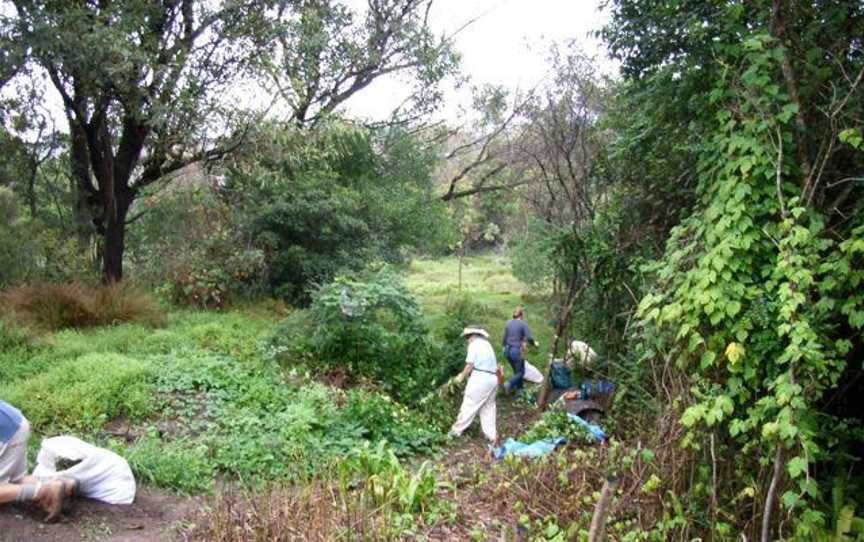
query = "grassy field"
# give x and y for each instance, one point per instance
(203, 400)
(488, 281)
(201, 395)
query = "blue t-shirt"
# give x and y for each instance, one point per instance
(10, 421)
(515, 332)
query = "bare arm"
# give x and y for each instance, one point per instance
(465, 372)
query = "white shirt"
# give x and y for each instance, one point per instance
(481, 355)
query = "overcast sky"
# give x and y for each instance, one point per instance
(507, 45)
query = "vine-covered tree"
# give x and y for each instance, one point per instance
(757, 299)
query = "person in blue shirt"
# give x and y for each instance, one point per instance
(516, 336)
(15, 484)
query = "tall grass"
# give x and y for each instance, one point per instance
(50, 307)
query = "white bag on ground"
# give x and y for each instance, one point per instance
(101, 474)
(533, 374)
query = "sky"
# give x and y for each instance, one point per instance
(506, 45)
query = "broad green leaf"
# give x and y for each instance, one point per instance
(796, 466)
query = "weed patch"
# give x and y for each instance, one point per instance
(177, 464)
(369, 496)
(84, 393)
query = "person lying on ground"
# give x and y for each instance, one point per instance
(516, 336)
(481, 370)
(15, 485)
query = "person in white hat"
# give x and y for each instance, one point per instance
(483, 368)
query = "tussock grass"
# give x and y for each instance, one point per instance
(49, 307)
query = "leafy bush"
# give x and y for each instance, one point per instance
(194, 246)
(84, 393)
(371, 325)
(375, 418)
(50, 307)
(31, 249)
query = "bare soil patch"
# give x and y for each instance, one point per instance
(155, 516)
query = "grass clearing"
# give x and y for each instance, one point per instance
(487, 281)
(201, 397)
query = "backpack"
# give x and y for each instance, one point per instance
(562, 376)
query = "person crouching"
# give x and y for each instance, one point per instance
(483, 368)
(15, 485)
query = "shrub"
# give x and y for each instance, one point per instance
(194, 246)
(49, 307)
(376, 418)
(84, 393)
(123, 302)
(36, 249)
(334, 198)
(371, 324)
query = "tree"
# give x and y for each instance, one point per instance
(323, 53)
(755, 300)
(332, 198)
(139, 83)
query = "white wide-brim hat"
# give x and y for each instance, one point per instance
(470, 330)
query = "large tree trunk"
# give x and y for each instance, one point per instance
(113, 173)
(86, 198)
(115, 241)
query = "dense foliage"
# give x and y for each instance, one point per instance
(333, 199)
(755, 299)
(370, 326)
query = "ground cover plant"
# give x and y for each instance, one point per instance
(197, 398)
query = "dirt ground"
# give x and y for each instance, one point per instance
(155, 516)
(159, 516)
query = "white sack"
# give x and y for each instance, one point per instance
(533, 374)
(101, 474)
(583, 353)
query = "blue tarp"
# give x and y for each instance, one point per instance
(535, 449)
(546, 445)
(593, 430)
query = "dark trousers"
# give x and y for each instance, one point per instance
(517, 362)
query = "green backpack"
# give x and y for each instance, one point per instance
(562, 377)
